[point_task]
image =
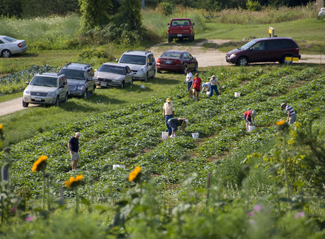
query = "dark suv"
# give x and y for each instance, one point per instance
(80, 78)
(264, 50)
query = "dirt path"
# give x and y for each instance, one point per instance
(205, 57)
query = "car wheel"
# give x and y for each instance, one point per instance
(25, 105)
(131, 82)
(191, 38)
(57, 101)
(242, 61)
(66, 98)
(284, 60)
(170, 39)
(146, 78)
(86, 94)
(196, 67)
(184, 70)
(154, 74)
(122, 85)
(158, 71)
(93, 91)
(6, 53)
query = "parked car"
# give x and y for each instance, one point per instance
(80, 77)
(180, 28)
(46, 89)
(10, 46)
(269, 49)
(112, 74)
(142, 63)
(176, 61)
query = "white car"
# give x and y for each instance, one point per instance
(10, 46)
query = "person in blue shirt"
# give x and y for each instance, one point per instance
(73, 146)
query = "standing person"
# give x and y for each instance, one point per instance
(174, 123)
(73, 146)
(189, 80)
(291, 114)
(168, 114)
(249, 116)
(197, 86)
(213, 85)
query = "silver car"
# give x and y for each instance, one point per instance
(10, 46)
(112, 74)
(142, 63)
(46, 89)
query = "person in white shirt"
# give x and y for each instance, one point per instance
(189, 80)
(205, 87)
(213, 85)
(168, 113)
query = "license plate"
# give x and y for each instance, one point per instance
(168, 62)
(103, 84)
(179, 35)
(38, 98)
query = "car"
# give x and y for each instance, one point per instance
(269, 49)
(176, 61)
(180, 28)
(80, 77)
(112, 74)
(142, 63)
(10, 46)
(46, 89)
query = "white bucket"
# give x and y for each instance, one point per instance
(164, 135)
(195, 135)
(115, 166)
(251, 128)
(237, 94)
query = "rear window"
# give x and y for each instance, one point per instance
(171, 55)
(280, 44)
(10, 39)
(132, 59)
(73, 74)
(45, 81)
(180, 23)
(112, 69)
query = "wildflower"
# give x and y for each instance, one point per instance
(74, 182)
(281, 122)
(251, 214)
(40, 164)
(13, 210)
(1, 126)
(30, 218)
(134, 174)
(299, 214)
(257, 208)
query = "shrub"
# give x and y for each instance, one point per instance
(165, 8)
(253, 5)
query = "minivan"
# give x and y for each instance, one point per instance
(264, 50)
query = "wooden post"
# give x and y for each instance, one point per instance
(208, 188)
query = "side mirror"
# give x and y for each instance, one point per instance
(168, 24)
(193, 24)
(150, 64)
(27, 83)
(116, 60)
(194, 57)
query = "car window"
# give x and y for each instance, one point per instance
(73, 74)
(44, 81)
(288, 44)
(171, 55)
(1, 42)
(259, 46)
(89, 74)
(186, 56)
(180, 23)
(128, 69)
(248, 45)
(278, 44)
(112, 69)
(10, 39)
(190, 56)
(132, 59)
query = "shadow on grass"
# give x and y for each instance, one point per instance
(23, 55)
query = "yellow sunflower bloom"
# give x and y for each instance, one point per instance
(74, 182)
(1, 126)
(134, 173)
(281, 122)
(40, 164)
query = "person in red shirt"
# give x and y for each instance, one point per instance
(248, 115)
(197, 86)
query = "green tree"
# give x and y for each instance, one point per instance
(10, 8)
(129, 13)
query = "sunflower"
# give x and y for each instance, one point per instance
(1, 126)
(40, 164)
(74, 182)
(281, 122)
(135, 174)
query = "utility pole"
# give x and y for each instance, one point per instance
(143, 4)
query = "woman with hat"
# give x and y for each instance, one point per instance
(249, 116)
(213, 85)
(174, 123)
(168, 113)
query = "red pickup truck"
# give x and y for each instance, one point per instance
(180, 28)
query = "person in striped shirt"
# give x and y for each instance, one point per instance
(291, 114)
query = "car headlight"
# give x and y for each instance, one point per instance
(142, 70)
(232, 56)
(27, 92)
(52, 94)
(81, 87)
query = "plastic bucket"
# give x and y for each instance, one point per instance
(115, 166)
(251, 128)
(195, 135)
(164, 135)
(237, 94)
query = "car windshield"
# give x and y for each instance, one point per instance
(248, 45)
(112, 69)
(10, 39)
(171, 55)
(73, 74)
(180, 23)
(132, 59)
(45, 81)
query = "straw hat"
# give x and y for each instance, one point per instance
(282, 104)
(168, 100)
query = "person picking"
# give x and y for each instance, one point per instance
(174, 123)
(213, 85)
(73, 146)
(291, 114)
(168, 114)
(249, 117)
(189, 81)
(196, 86)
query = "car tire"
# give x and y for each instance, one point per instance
(191, 38)
(283, 61)
(122, 85)
(6, 53)
(93, 91)
(66, 98)
(170, 39)
(196, 67)
(25, 105)
(158, 71)
(57, 101)
(146, 78)
(86, 94)
(131, 82)
(184, 70)
(154, 74)
(242, 61)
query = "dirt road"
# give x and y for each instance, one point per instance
(205, 57)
